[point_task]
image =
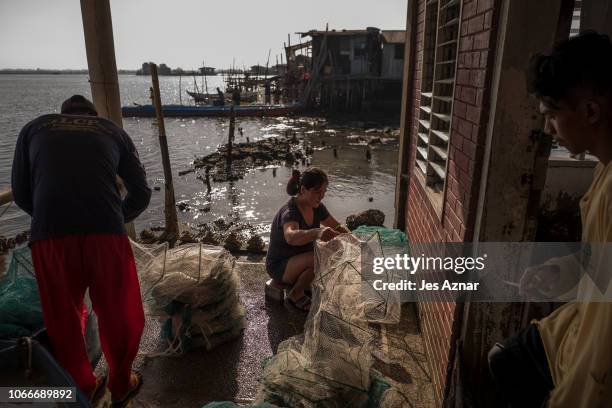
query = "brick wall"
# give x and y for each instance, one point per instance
(470, 115)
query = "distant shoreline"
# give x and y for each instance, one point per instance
(54, 71)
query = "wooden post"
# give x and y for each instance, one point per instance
(401, 179)
(103, 79)
(170, 205)
(348, 93)
(207, 179)
(99, 44)
(230, 137)
(180, 90)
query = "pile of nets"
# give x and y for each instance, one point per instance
(20, 312)
(331, 364)
(194, 290)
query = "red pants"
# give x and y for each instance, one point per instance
(65, 267)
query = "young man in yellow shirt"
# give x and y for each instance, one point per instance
(565, 359)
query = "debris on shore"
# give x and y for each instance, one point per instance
(372, 217)
(233, 235)
(250, 155)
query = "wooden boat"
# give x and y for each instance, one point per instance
(199, 97)
(208, 110)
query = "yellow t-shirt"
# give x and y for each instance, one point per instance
(577, 337)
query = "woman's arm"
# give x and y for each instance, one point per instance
(331, 222)
(295, 236)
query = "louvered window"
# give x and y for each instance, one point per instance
(575, 27)
(440, 47)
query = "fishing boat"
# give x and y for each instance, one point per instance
(200, 97)
(208, 110)
(208, 98)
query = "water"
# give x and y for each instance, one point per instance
(254, 199)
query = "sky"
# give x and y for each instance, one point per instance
(48, 34)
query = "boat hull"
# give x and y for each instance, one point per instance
(148, 111)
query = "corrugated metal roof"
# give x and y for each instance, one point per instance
(394, 36)
(314, 33)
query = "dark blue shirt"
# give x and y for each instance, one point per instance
(64, 175)
(279, 249)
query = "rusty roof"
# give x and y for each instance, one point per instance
(394, 36)
(315, 33)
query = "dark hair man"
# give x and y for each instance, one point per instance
(565, 359)
(64, 175)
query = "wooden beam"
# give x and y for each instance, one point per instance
(403, 160)
(100, 47)
(172, 229)
(103, 78)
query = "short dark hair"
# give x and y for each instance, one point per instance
(78, 105)
(581, 61)
(312, 177)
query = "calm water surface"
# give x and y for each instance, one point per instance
(254, 199)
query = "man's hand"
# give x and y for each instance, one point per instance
(327, 234)
(538, 280)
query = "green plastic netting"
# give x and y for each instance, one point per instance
(387, 236)
(20, 312)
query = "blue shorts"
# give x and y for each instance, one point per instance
(276, 269)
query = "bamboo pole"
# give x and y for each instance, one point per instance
(230, 137)
(170, 204)
(99, 44)
(103, 78)
(205, 80)
(180, 90)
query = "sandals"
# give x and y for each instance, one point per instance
(302, 304)
(131, 392)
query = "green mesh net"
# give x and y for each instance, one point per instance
(20, 312)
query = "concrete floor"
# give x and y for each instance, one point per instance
(231, 371)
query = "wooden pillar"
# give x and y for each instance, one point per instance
(99, 43)
(103, 79)
(348, 94)
(172, 229)
(230, 136)
(401, 179)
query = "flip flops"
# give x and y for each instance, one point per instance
(302, 304)
(131, 393)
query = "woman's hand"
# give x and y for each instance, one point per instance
(327, 234)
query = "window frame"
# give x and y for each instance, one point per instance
(437, 94)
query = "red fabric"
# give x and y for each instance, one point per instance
(65, 267)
